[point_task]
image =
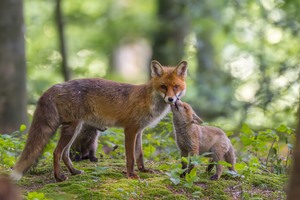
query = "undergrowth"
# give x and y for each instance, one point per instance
(263, 159)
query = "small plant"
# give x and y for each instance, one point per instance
(36, 196)
(191, 177)
(266, 146)
(175, 172)
(11, 144)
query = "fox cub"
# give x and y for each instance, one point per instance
(193, 139)
(86, 144)
(101, 103)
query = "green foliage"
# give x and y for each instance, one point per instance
(175, 172)
(243, 64)
(36, 196)
(190, 176)
(106, 179)
(10, 146)
(160, 141)
(272, 141)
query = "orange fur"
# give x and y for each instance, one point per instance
(101, 103)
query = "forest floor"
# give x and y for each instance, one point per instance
(107, 180)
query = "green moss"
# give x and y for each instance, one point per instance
(107, 180)
(268, 181)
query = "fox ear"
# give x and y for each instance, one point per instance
(156, 69)
(181, 69)
(196, 119)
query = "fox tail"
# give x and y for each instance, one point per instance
(230, 158)
(44, 124)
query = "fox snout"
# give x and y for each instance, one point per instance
(170, 100)
(173, 94)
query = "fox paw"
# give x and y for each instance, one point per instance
(133, 176)
(214, 177)
(61, 178)
(146, 170)
(76, 171)
(93, 159)
(77, 158)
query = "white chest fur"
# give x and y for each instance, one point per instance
(157, 115)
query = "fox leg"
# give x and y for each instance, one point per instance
(210, 166)
(130, 138)
(230, 158)
(139, 153)
(68, 134)
(184, 164)
(66, 151)
(217, 156)
(94, 147)
(92, 155)
(194, 152)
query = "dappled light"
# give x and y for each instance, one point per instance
(237, 63)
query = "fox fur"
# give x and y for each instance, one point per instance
(101, 103)
(193, 139)
(86, 144)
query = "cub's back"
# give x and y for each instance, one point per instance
(210, 136)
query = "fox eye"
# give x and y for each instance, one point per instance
(176, 87)
(163, 87)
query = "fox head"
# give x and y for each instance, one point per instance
(169, 82)
(184, 113)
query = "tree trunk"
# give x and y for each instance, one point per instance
(12, 66)
(168, 44)
(210, 79)
(293, 191)
(62, 42)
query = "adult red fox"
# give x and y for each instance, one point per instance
(101, 103)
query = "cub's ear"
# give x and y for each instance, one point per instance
(181, 69)
(196, 119)
(156, 69)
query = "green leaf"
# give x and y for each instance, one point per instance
(233, 174)
(188, 184)
(193, 172)
(188, 178)
(241, 166)
(168, 174)
(22, 127)
(225, 164)
(184, 159)
(36, 196)
(176, 181)
(246, 129)
(282, 128)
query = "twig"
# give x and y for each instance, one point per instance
(270, 152)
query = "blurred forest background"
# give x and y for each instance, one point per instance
(243, 55)
(244, 66)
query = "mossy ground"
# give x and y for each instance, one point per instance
(106, 180)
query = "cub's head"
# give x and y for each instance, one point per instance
(183, 112)
(169, 82)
